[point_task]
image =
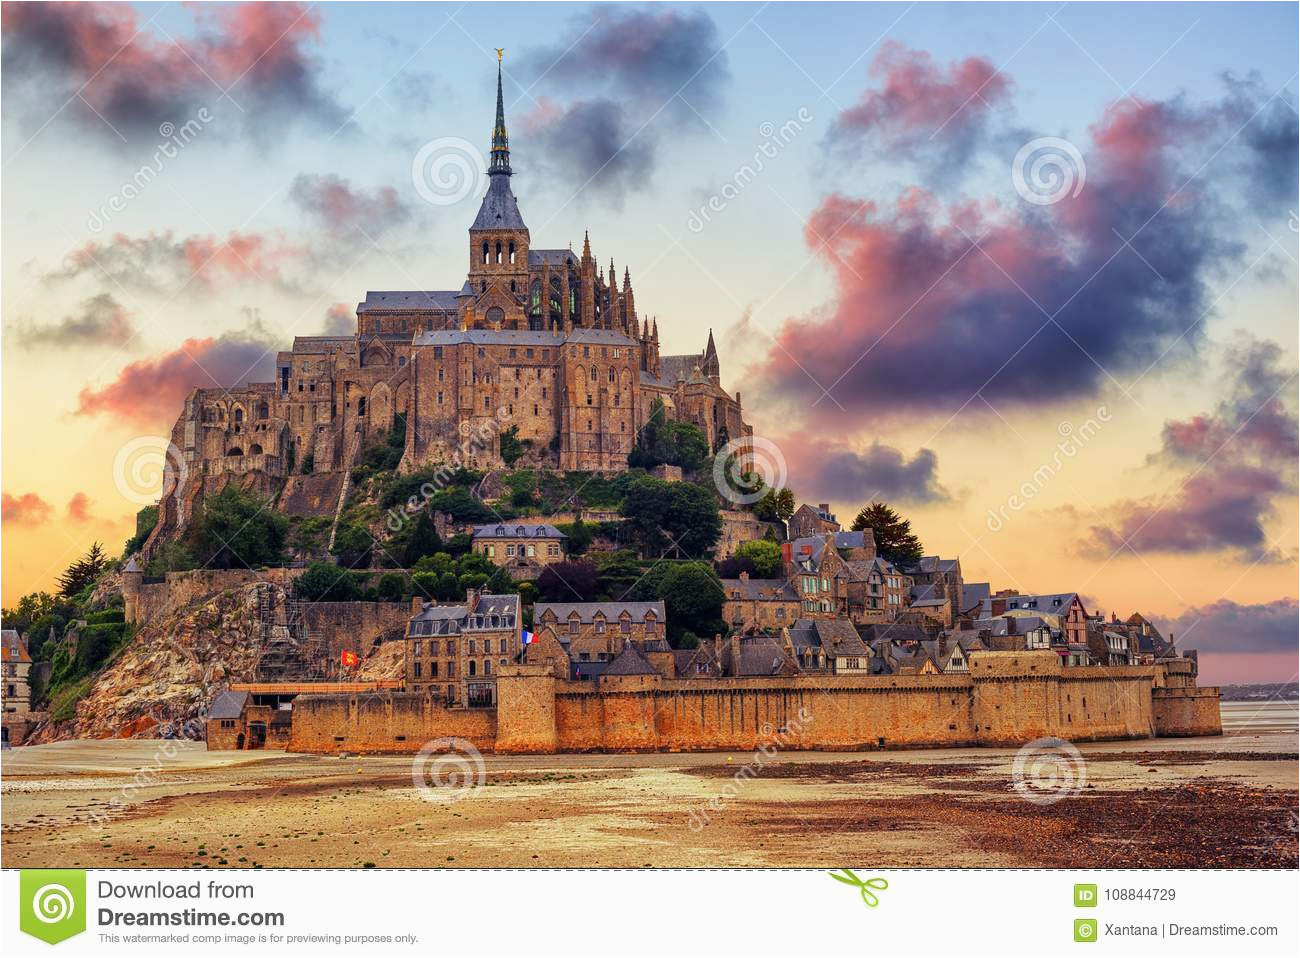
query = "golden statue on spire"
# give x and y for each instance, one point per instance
(501, 52)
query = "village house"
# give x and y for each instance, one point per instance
(578, 639)
(453, 652)
(764, 603)
(877, 590)
(812, 521)
(521, 548)
(933, 579)
(16, 664)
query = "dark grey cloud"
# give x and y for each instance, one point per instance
(922, 319)
(1235, 465)
(608, 84)
(832, 471)
(1226, 626)
(105, 66)
(334, 205)
(100, 321)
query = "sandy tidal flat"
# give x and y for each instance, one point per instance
(1209, 802)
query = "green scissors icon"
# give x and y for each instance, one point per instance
(864, 886)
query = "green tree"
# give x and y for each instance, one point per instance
(326, 582)
(353, 544)
(764, 554)
(145, 520)
(568, 582)
(84, 571)
(512, 447)
(665, 516)
(392, 587)
(423, 540)
(692, 597)
(579, 537)
(895, 540)
(663, 441)
(237, 528)
(777, 505)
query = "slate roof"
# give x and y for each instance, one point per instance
(409, 300)
(608, 337)
(763, 655)
(629, 662)
(132, 565)
(12, 647)
(493, 612)
(974, 593)
(580, 671)
(1052, 603)
(516, 530)
(551, 257)
(892, 632)
(929, 564)
(587, 611)
(771, 590)
(499, 209)
(815, 545)
(228, 705)
(840, 637)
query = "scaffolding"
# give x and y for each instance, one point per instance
(287, 650)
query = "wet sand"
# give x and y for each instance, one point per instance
(1205, 802)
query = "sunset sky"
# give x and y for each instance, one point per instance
(839, 191)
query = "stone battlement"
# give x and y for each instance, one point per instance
(1007, 698)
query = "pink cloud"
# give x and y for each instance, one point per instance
(29, 509)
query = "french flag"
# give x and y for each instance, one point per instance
(527, 637)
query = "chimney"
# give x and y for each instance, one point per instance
(735, 653)
(717, 650)
(1011, 624)
(417, 605)
(471, 599)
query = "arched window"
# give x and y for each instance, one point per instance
(254, 450)
(473, 667)
(496, 316)
(263, 411)
(512, 254)
(361, 406)
(498, 251)
(234, 451)
(485, 253)
(487, 666)
(239, 414)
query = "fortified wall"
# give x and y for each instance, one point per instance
(1007, 698)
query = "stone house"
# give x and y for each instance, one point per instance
(596, 632)
(454, 652)
(521, 548)
(767, 604)
(936, 578)
(877, 590)
(808, 521)
(16, 665)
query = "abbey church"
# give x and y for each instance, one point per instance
(537, 342)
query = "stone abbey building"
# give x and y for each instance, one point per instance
(535, 340)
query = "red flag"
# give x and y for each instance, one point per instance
(349, 658)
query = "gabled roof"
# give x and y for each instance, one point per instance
(587, 611)
(12, 647)
(810, 548)
(408, 300)
(773, 590)
(551, 257)
(930, 564)
(228, 705)
(629, 662)
(517, 530)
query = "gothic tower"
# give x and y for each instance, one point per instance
(498, 241)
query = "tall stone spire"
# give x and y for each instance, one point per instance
(500, 141)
